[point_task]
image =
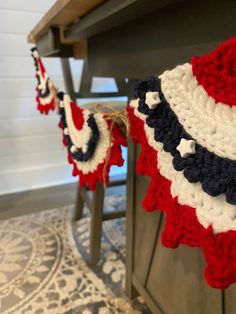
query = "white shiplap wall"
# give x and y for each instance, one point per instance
(31, 153)
(30, 149)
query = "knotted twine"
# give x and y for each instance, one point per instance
(116, 117)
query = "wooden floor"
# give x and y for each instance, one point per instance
(42, 199)
(36, 200)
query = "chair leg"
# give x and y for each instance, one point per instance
(96, 224)
(79, 204)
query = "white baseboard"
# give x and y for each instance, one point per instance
(30, 179)
(36, 178)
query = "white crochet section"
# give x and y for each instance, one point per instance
(211, 124)
(43, 81)
(46, 100)
(213, 211)
(81, 137)
(102, 148)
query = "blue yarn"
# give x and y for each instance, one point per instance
(216, 174)
(46, 92)
(79, 155)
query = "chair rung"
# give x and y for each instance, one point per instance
(117, 183)
(114, 215)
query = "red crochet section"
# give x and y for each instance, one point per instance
(216, 72)
(77, 115)
(44, 109)
(41, 66)
(182, 226)
(90, 179)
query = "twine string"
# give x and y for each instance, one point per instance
(53, 91)
(117, 117)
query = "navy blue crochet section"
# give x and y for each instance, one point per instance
(217, 175)
(79, 155)
(46, 92)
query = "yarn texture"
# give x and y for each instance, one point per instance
(183, 225)
(216, 72)
(217, 175)
(93, 144)
(200, 115)
(185, 123)
(86, 136)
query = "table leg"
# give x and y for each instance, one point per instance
(68, 80)
(131, 170)
(96, 224)
(79, 204)
(130, 290)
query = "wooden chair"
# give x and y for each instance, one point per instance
(98, 215)
(96, 204)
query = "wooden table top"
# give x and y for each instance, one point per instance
(117, 35)
(66, 29)
(62, 14)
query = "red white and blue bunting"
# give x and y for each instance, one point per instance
(188, 141)
(185, 122)
(87, 138)
(46, 93)
(92, 140)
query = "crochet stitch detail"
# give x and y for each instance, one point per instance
(217, 175)
(213, 211)
(210, 123)
(181, 224)
(90, 168)
(216, 72)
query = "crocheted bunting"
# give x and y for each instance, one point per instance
(192, 138)
(45, 90)
(216, 174)
(87, 138)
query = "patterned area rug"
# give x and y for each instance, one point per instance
(43, 268)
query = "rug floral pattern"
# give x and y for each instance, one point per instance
(43, 268)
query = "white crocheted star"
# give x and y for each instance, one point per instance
(73, 149)
(186, 147)
(66, 131)
(152, 99)
(84, 148)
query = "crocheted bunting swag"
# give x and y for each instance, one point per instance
(192, 137)
(87, 138)
(45, 90)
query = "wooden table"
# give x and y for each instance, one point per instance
(132, 39)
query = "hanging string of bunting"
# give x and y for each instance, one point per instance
(185, 122)
(93, 143)
(93, 140)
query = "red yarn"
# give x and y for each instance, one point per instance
(77, 115)
(182, 225)
(216, 72)
(90, 179)
(41, 67)
(44, 109)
